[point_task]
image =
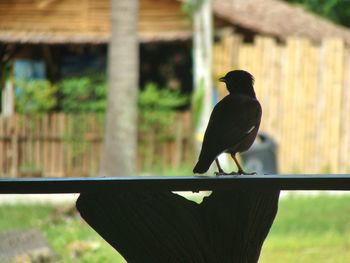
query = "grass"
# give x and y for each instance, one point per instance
(310, 229)
(71, 238)
(184, 169)
(307, 229)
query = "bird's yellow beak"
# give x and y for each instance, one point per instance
(222, 79)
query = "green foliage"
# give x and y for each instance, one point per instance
(156, 113)
(336, 10)
(191, 6)
(83, 94)
(157, 105)
(30, 167)
(35, 96)
(75, 137)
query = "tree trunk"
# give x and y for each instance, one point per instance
(203, 82)
(120, 142)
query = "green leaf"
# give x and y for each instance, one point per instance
(35, 96)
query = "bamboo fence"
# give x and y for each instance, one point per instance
(305, 94)
(57, 145)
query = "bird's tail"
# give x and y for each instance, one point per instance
(201, 167)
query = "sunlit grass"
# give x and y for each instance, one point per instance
(183, 170)
(70, 237)
(307, 229)
(310, 229)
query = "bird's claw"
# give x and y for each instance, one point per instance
(223, 173)
(245, 173)
(234, 173)
(220, 173)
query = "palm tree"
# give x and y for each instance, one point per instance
(120, 143)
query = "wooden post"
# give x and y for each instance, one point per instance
(228, 226)
(8, 99)
(14, 129)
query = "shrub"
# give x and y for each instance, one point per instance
(35, 96)
(83, 94)
(157, 105)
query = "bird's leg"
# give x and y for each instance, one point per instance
(220, 172)
(240, 170)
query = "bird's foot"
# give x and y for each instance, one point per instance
(220, 173)
(234, 173)
(241, 172)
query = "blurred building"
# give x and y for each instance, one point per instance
(56, 39)
(62, 38)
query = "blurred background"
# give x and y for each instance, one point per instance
(53, 82)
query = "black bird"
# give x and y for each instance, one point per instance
(233, 124)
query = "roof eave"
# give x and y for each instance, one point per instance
(79, 38)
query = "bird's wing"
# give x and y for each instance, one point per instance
(232, 119)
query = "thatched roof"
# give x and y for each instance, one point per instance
(160, 20)
(278, 18)
(86, 21)
(34, 37)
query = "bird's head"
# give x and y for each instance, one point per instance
(239, 82)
